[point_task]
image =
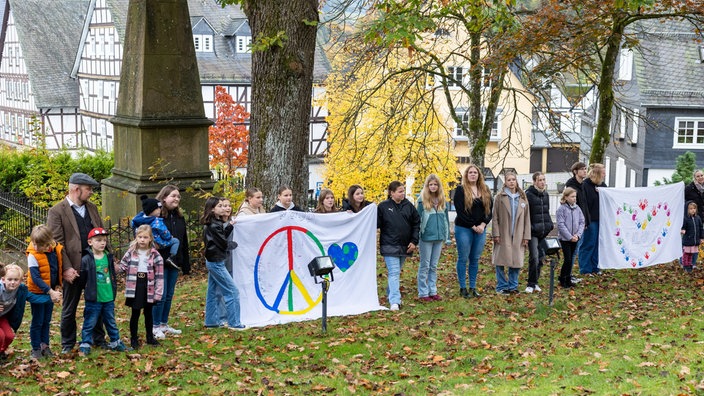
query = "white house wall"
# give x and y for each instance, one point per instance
(16, 100)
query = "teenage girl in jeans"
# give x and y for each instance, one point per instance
(473, 205)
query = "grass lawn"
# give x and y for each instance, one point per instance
(630, 332)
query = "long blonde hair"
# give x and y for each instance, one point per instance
(428, 197)
(595, 174)
(566, 193)
(482, 189)
(146, 229)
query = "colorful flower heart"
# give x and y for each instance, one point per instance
(345, 256)
(641, 221)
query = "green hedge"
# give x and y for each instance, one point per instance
(42, 175)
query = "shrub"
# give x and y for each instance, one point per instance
(43, 175)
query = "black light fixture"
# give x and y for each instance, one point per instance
(320, 266)
(551, 246)
(320, 269)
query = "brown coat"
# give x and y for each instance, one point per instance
(510, 252)
(62, 223)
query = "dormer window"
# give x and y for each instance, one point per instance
(244, 44)
(203, 42)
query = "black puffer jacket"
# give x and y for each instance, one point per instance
(540, 220)
(215, 235)
(399, 224)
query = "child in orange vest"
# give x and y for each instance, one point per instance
(45, 269)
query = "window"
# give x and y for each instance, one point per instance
(203, 42)
(632, 178)
(455, 76)
(495, 134)
(460, 129)
(607, 169)
(463, 115)
(243, 44)
(625, 65)
(634, 133)
(701, 53)
(689, 132)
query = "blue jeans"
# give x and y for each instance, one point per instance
(503, 283)
(394, 264)
(221, 285)
(91, 313)
(536, 255)
(41, 320)
(173, 249)
(469, 246)
(162, 309)
(428, 268)
(589, 251)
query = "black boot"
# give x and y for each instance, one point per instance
(464, 293)
(134, 342)
(474, 293)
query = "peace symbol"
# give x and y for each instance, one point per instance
(291, 280)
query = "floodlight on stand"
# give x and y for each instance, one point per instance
(551, 246)
(321, 268)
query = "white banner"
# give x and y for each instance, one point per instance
(270, 265)
(640, 226)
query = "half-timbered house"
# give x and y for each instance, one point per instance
(38, 99)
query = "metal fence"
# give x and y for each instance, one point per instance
(18, 215)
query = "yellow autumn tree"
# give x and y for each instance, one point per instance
(383, 126)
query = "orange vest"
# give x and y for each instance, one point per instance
(44, 268)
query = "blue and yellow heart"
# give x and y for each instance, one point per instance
(345, 256)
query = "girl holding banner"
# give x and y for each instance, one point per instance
(589, 251)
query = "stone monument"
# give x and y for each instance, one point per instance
(161, 132)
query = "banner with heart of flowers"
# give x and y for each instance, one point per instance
(640, 226)
(270, 265)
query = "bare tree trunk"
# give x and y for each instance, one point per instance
(602, 134)
(282, 83)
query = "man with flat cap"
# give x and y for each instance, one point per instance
(70, 221)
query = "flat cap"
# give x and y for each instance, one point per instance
(83, 179)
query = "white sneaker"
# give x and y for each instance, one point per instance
(166, 329)
(529, 289)
(394, 307)
(537, 289)
(158, 334)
